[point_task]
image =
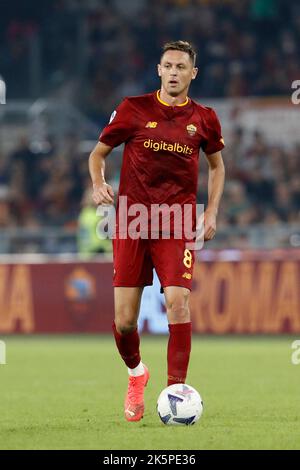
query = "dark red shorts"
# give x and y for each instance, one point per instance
(134, 261)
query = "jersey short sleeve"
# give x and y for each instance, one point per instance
(120, 127)
(214, 141)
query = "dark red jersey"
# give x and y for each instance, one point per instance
(162, 144)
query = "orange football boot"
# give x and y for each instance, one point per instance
(134, 401)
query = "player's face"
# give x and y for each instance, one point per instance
(176, 71)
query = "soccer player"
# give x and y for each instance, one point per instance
(163, 133)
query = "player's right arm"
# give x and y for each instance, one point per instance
(102, 192)
(119, 130)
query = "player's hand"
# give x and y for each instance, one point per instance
(103, 194)
(210, 224)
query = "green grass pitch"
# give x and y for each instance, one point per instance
(67, 393)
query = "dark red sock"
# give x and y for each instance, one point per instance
(129, 347)
(179, 348)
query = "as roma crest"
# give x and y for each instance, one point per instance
(191, 129)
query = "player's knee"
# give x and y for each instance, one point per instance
(179, 315)
(178, 310)
(124, 327)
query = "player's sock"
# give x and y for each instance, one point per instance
(179, 348)
(129, 347)
(137, 371)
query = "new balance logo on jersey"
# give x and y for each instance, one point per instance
(151, 124)
(177, 147)
(187, 276)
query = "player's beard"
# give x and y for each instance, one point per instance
(174, 93)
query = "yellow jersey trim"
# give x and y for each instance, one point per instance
(167, 104)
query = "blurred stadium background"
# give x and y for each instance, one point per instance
(66, 65)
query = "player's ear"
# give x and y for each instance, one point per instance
(195, 72)
(159, 70)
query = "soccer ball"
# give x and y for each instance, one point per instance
(179, 405)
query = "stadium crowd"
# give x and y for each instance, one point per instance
(262, 183)
(98, 51)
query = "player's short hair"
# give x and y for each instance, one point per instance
(183, 46)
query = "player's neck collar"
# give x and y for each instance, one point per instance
(167, 104)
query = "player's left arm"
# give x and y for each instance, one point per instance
(216, 178)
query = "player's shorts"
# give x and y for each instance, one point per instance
(134, 261)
